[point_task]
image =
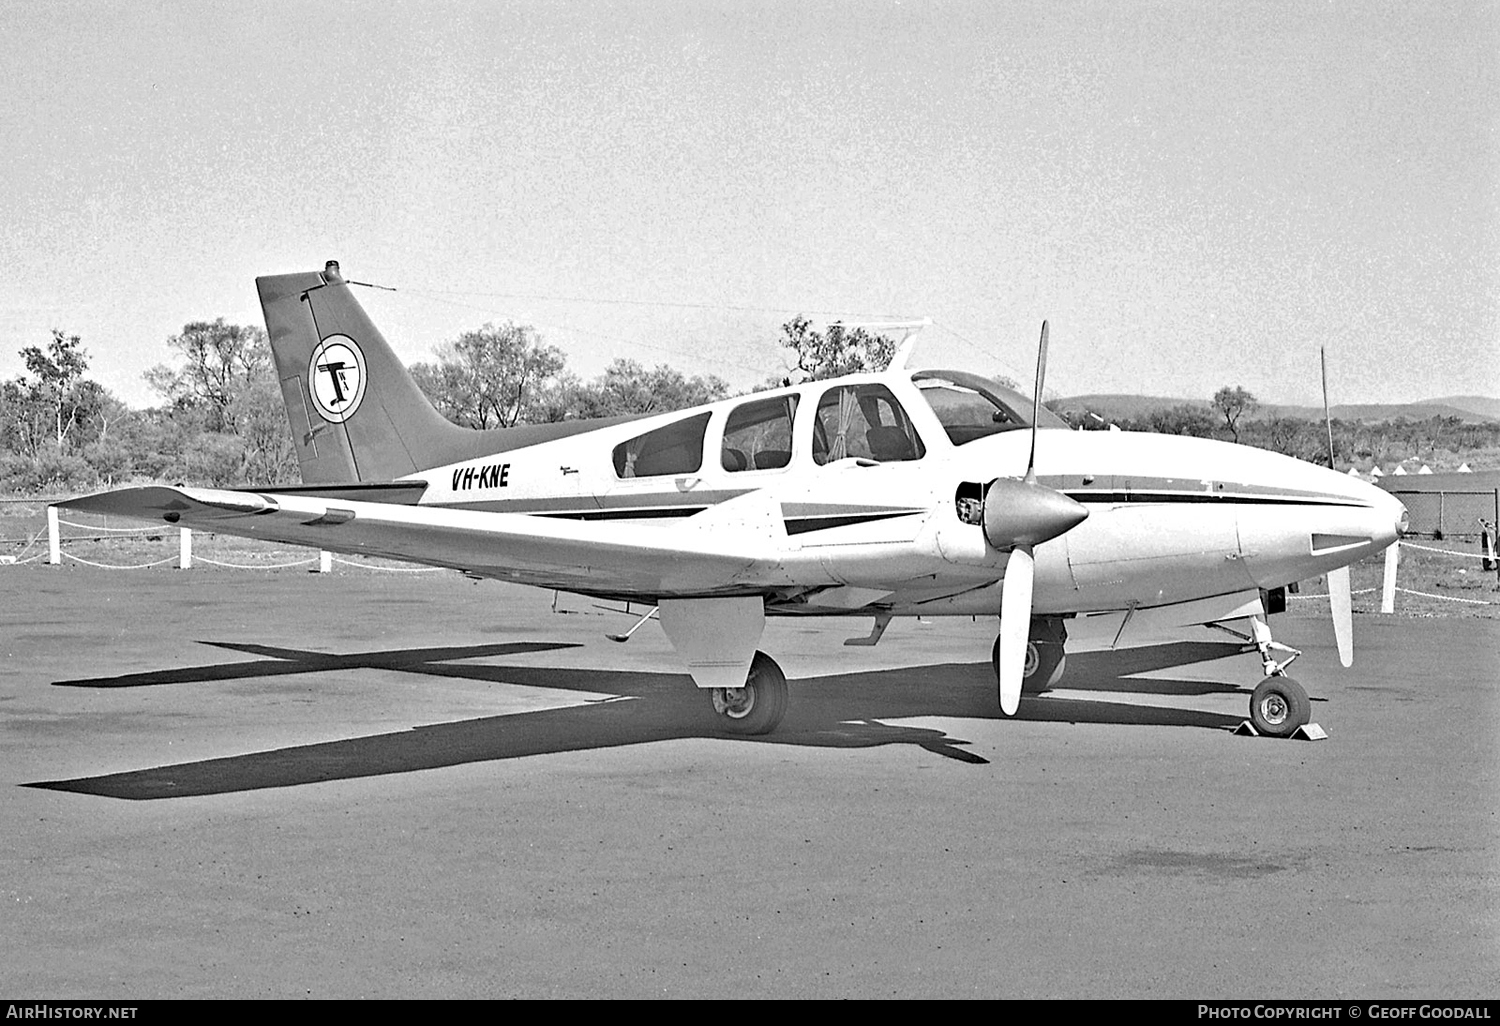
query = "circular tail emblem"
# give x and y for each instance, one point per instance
(336, 378)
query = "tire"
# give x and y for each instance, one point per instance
(756, 708)
(1051, 662)
(1046, 658)
(1279, 706)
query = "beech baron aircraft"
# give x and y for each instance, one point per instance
(902, 493)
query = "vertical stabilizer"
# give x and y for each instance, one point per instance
(355, 411)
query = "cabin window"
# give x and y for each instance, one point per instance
(674, 449)
(758, 435)
(866, 422)
(969, 406)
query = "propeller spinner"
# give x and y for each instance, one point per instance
(1018, 516)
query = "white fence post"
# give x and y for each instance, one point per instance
(185, 549)
(1388, 589)
(54, 542)
(325, 561)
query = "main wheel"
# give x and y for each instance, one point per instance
(1046, 659)
(757, 707)
(1279, 706)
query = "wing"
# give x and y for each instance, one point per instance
(719, 556)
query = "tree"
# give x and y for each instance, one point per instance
(493, 377)
(226, 388)
(222, 362)
(837, 351)
(627, 388)
(1291, 436)
(56, 407)
(1234, 403)
(1182, 419)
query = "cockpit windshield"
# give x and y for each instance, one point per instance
(970, 406)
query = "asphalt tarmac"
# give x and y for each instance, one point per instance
(251, 784)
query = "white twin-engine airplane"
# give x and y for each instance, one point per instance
(903, 493)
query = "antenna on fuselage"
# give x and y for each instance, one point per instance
(1327, 417)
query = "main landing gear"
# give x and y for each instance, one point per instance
(1046, 657)
(757, 707)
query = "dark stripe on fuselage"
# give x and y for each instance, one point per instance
(802, 525)
(639, 513)
(796, 525)
(1095, 497)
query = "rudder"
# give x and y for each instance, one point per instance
(356, 413)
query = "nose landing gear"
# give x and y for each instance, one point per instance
(1279, 706)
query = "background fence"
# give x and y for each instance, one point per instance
(33, 530)
(1445, 514)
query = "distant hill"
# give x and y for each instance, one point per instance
(1479, 404)
(1474, 409)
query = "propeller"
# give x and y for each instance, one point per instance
(1018, 516)
(1340, 598)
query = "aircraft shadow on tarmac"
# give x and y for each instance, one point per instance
(831, 711)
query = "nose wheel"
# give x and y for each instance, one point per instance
(757, 707)
(1279, 706)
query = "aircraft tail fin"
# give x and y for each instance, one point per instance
(355, 411)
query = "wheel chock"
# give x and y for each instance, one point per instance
(1309, 732)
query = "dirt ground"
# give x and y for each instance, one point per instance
(282, 784)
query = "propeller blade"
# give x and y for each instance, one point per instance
(1036, 401)
(1343, 614)
(1015, 626)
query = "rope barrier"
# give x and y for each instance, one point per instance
(1446, 598)
(1442, 552)
(115, 530)
(28, 546)
(112, 566)
(393, 569)
(253, 566)
(1324, 595)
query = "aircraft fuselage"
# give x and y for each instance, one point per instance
(1171, 519)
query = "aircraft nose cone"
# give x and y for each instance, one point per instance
(1391, 518)
(1026, 513)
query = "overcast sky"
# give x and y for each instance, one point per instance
(1195, 193)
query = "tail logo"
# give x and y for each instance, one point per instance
(336, 378)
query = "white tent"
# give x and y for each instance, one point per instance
(1354, 472)
(1376, 472)
(1425, 469)
(1463, 468)
(1400, 471)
